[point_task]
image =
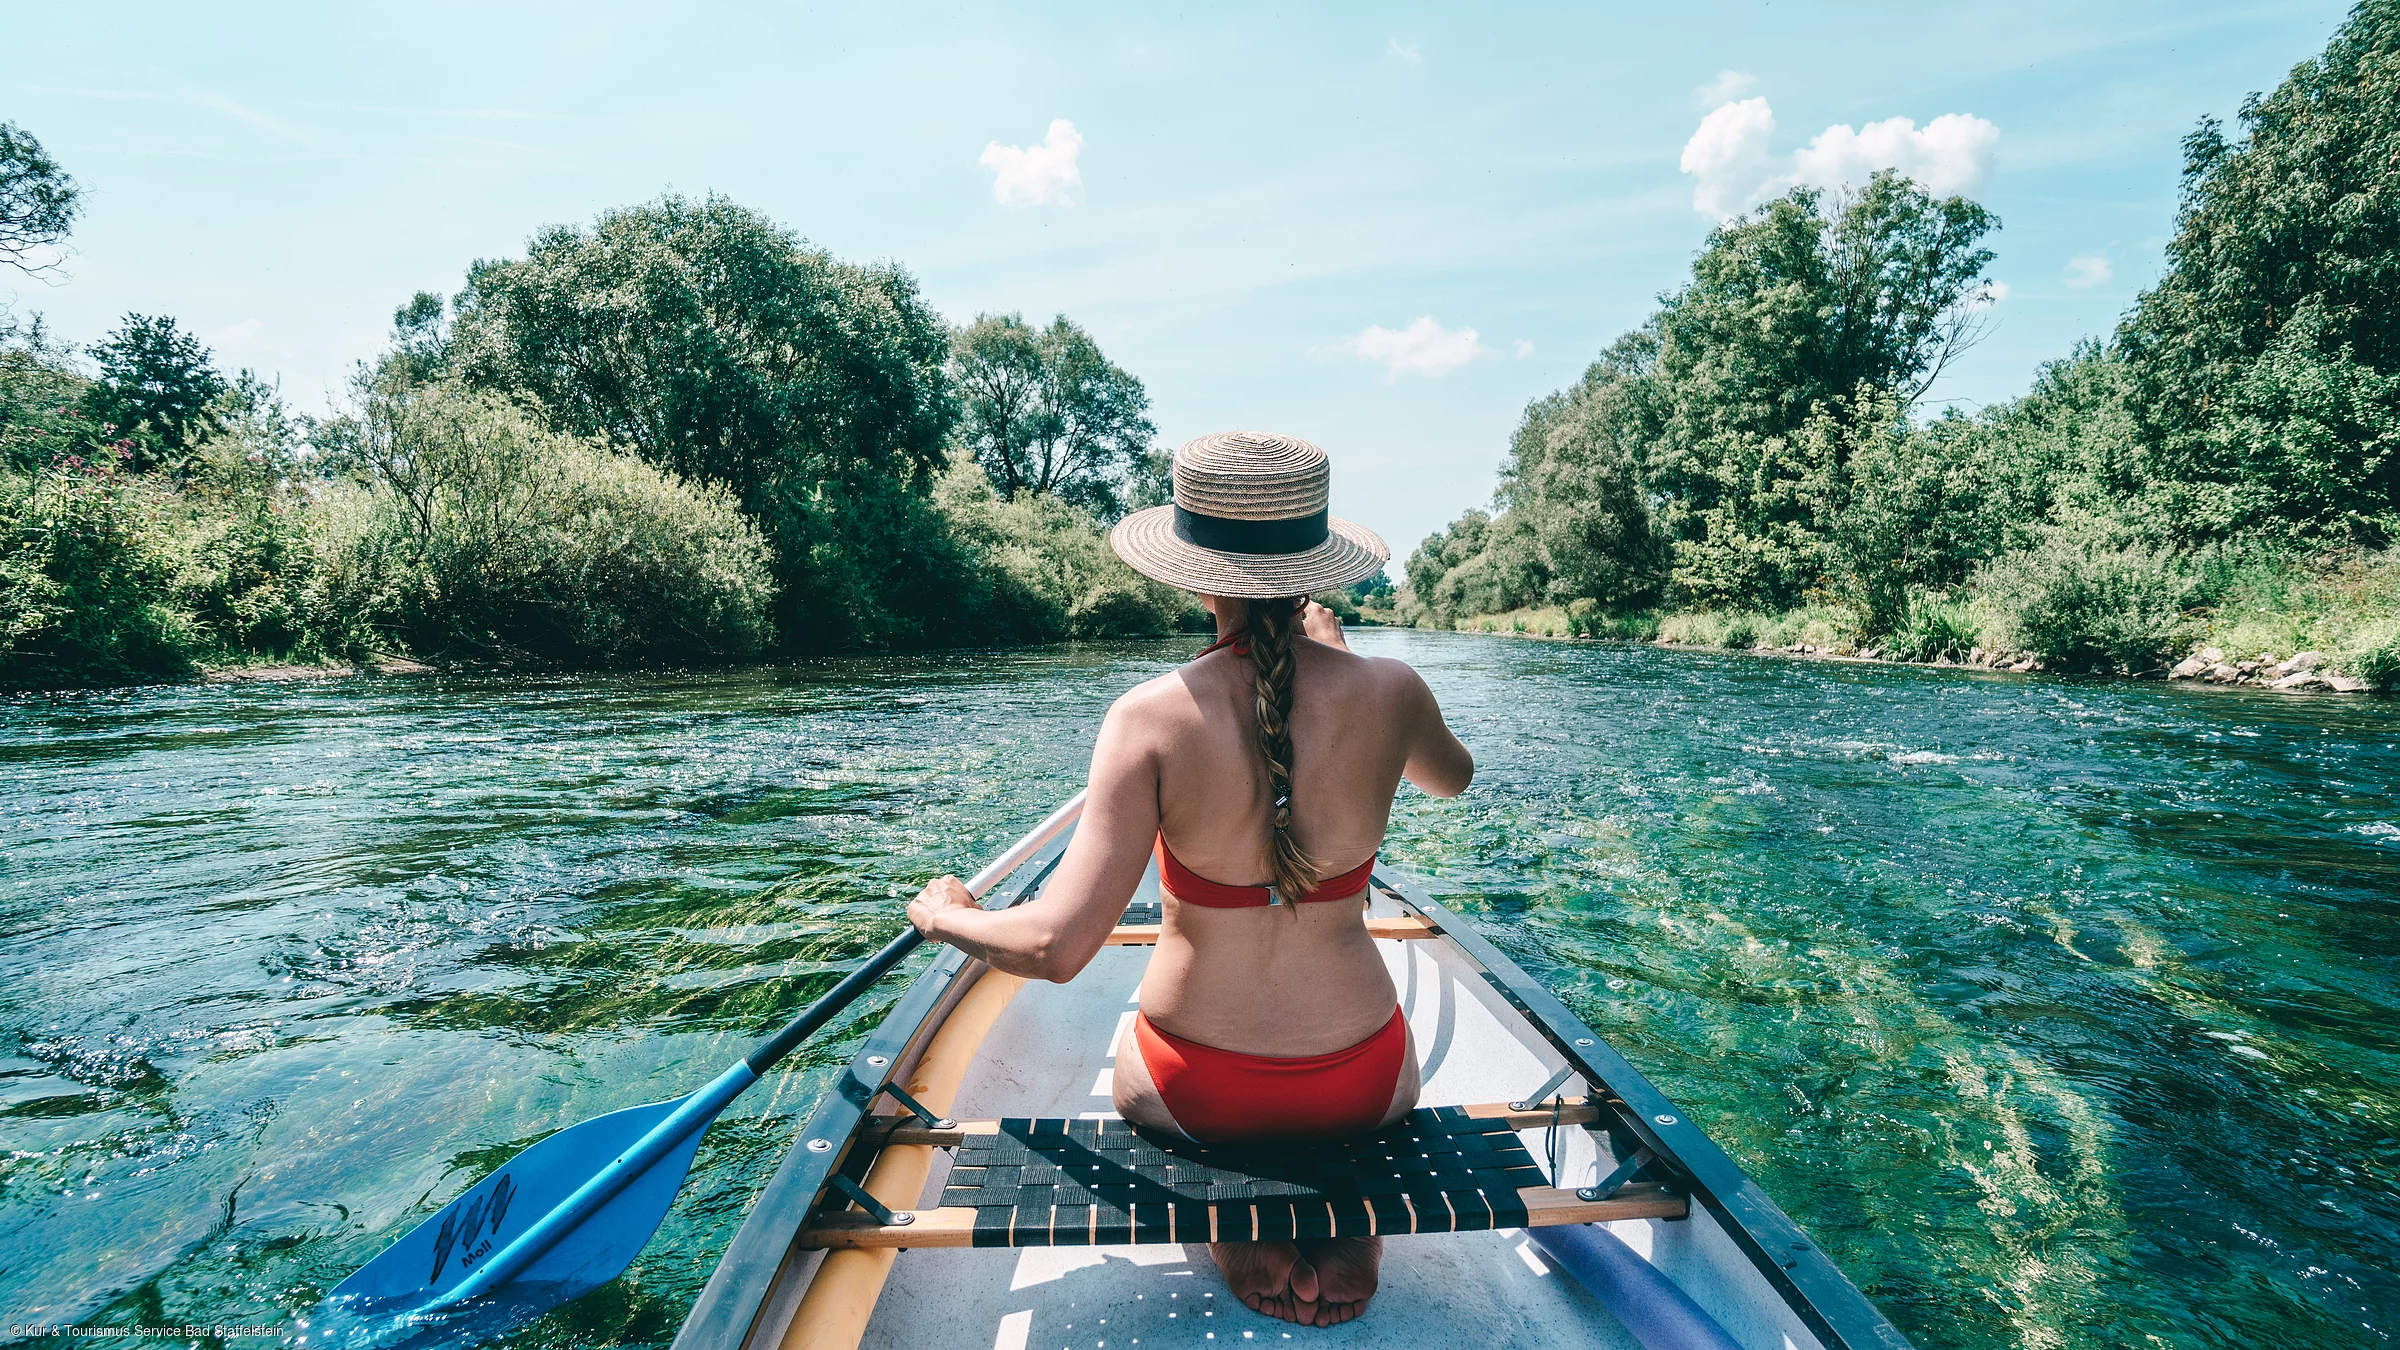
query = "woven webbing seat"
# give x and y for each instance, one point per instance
(1050, 1182)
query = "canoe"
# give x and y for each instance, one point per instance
(967, 1184)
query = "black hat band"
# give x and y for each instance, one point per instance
(1296, 534)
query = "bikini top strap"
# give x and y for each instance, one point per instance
(1238, 639)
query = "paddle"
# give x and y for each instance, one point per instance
(568, 1214)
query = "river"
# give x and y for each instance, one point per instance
(2062, 1013)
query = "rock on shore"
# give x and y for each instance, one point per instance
(2300, 671)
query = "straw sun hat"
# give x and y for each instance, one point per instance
(1249, 520)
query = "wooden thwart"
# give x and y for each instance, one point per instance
(1395, 926)
(954, 1226)
(1446, 1169)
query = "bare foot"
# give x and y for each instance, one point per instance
(1346, 1275)
(1270, 1278)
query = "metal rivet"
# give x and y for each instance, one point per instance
(877, 1060)
(820, 1145)
(1664, 1120)
(945, 1124)
(901, 1216)
(1583, 1040)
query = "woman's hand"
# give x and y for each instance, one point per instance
(942, 894)
(1320, 624)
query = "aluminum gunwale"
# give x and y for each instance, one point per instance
(728, 1307)
(1809, 1282)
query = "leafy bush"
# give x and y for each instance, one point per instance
(1546, 621)
(2082, 599)
(1639, 626)
(1043, 569)
(1693, 628)
(1931, 629)
(247, 573)
(1736, 630)
(2373, 654)
(41, 395)
(87, 580)
(487, 536)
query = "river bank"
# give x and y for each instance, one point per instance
(1811, 635)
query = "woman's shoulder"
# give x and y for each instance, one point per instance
(1383, 674)
(1158, 701)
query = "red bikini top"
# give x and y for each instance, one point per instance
(1238, 639)
(1194, 889)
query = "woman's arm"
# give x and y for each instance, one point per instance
(1437, 761)
(1059, 932)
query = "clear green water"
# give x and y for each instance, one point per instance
(2063, 1014)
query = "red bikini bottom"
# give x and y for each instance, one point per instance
(1221, 1096)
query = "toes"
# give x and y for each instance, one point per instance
(1305, 1286)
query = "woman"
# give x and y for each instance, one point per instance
(1272, 758)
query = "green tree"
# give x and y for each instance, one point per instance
(157, 389)
(1043, 410)
(1575, 477)
(1443, 550)
(1707, 453)
(2260, 361)
(42, 416)
(38, 201)
(1793, 309)
(714, 344)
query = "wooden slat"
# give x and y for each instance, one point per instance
(1396, 926)
(1571, 1111)
(954, 1225)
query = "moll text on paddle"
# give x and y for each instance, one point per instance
(470, 1226)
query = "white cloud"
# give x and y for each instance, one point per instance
(1423, 348)
(1728, 86)
(2086, 270)
(1524, 349)
(1728, 156)
(1034, 174)
(1414, 55)
(1953, 154)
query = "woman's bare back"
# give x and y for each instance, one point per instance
(1178, 756)
(1285, 979)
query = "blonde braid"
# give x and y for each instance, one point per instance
(1271, 623)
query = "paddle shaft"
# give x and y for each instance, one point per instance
(703, 1106)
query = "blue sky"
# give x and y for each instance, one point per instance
(1276, 219)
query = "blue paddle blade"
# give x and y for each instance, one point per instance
(373, 1305)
